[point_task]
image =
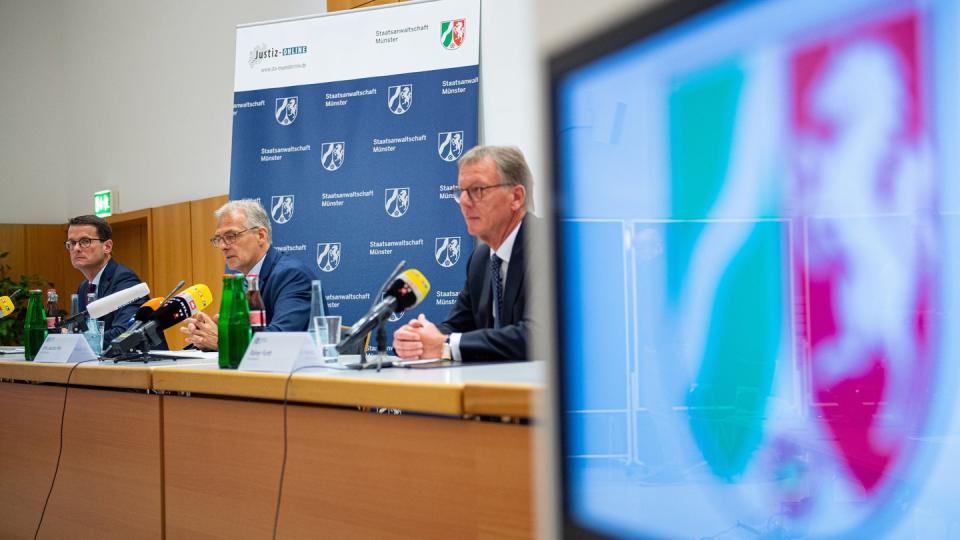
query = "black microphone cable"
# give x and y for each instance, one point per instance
(56, 470)
(283, 465)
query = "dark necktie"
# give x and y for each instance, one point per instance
(495, 264)
(91, 288)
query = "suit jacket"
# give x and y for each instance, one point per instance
(285, 287)
(115, 277)
(472, 315)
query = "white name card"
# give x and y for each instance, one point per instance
(280, 352)
(65, 349)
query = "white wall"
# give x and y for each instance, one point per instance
(32, 112)
(137, 94)
(565, 22)
(511, 83)
(132, 94)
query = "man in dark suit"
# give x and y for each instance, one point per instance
(489, 321)
(90, 243)
(243, 236)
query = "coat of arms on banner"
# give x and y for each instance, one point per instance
(328, 256)
(396, 201)
(447, 251)
(450, 145)
(332, 155)
(281, 208)
(287, 110)
(400, 98)
(452, 33)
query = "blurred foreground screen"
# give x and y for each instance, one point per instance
(757, 249)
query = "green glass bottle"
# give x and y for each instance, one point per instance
(233, 328)
(35, 325)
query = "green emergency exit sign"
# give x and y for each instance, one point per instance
(103, 203)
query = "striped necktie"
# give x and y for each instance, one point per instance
(495, 264)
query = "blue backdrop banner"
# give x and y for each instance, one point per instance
(347, 128)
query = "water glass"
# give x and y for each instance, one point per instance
(326, 331)
(94, 335)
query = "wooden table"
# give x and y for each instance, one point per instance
(110, 479)
(203, 459)
(351, 473)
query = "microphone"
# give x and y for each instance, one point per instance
(170, 312)
(112, 302)
(6, 303)
(145, 312)
(106, 305)
(174, 291)
(408, 290)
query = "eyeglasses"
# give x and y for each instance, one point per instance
(83, 242)
(475, 193)
(228, 238)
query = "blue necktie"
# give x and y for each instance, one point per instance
(495, 263)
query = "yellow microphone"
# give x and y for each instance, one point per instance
(406, 291)
(7, 306)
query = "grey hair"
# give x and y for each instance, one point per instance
(252, 210)
(510, 163)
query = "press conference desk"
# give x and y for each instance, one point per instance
(109, 484)
(217, 438)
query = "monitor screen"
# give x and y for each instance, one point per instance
(756, 214)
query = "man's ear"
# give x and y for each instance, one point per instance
(519, 197)
(108, 246)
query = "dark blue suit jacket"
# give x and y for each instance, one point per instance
(285, 286)
(115, 277)
(472, 315)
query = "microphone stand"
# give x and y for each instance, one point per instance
(381, 343)
(381, 329)
(138, 353)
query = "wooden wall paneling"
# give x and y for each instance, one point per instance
(172, 255)
(207, 261)
(46, 256)
(12, 241)
(341, 5)
(131, 247)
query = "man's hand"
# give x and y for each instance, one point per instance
(406, 341)
(201, 331)
(418, 338)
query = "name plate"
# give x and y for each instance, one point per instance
(280, 352)
(65, 349)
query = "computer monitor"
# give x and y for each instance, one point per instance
(756, 239)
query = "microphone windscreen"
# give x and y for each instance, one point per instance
(147, 309)
(198, 297)
(416, 284)
(6, 306)
(109, 304)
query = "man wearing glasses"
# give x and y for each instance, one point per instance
(243, 236)
(489, 320)
(90, 243)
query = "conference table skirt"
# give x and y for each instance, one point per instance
(109, 484)
(142, 464)
(349, 474)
